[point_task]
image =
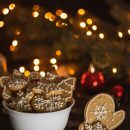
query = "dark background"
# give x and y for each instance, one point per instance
(97, 7)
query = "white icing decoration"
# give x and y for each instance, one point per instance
(88, 127)
(100, 112)
(22, 103)
(51, 76)
(98, 126)
(95, 126)
(51, 104)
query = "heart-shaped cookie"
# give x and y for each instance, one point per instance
(101, 109)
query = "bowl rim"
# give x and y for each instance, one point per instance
(26, 113)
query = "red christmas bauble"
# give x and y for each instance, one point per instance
(92, 81)
(117, 91)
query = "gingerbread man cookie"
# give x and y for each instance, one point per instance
(100, 114)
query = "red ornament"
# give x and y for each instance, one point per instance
(92, 81)
(117, 91)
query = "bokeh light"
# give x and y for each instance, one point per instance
(35, 14)
(22, 69)
(36, 68)
(36, 61)
(27, 73)
(52, 18)
(5, 11)
(81, 11)
(94, 27)
(58, 52)
(55, 66)
(11, 6)
(82, 24)
(101, 35)
(114, 70)
(120, 34)
(1, 24)
(59, 12)
(71, 71)
(47, 15)
(12, 48)
(89, 33)
(15, 43)
(36, 7)
(63, 16)
(89, 21)
(42, 73)
(53, 60)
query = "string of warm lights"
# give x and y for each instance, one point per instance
(61, 20)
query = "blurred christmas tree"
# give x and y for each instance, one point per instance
(73, 41)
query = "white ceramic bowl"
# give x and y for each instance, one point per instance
(39, 121)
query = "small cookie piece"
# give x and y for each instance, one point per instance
(6, 94)
(40, 104)
(35, 76)
(4, 81)
(22, 102)
(101, 109)
(51, 77)
(17, 74)
(67, 86)
(17, 82)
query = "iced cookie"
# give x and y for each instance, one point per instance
(35, 93)
(40, 104)
(22, 102)
(100, 114)
(17, 82)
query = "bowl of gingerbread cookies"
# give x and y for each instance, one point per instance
(38, 103)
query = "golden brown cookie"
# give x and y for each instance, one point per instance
(22, 102)
(17, 82)
(6, 94)
(40, 104)
(51, 93)
(35, 76)
(4, 81)
(101, 109)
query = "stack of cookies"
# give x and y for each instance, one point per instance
(37, 94)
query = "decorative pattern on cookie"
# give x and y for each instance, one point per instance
(17, 82)
(101, 109)
(64, 88)
(67, 85)
(51, 76)
(4, 81)
(47, 105)
(94, 126)
(22, 102)
(51, 93)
